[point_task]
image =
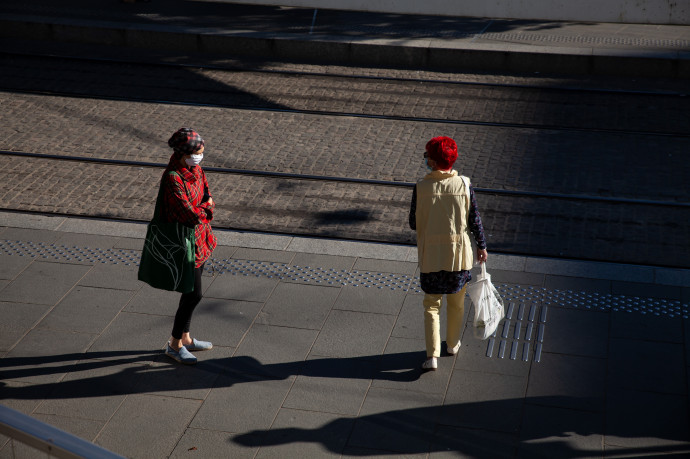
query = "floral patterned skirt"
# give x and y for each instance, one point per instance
(444, 282)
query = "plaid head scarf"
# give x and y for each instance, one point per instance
(185, 141)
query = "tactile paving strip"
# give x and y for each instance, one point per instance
(516, 294)
(309, 274)
(596, 301)
(640, 42)
(506, 37)
(43, 250)
(523, 327)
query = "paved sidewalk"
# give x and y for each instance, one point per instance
(317, 351)
(360, 38)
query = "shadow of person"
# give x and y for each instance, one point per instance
(34, 366)
(399, 367)
(406, 431)
(134, 372)
(450, 429)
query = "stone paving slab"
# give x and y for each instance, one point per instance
(334, 431)
(582, 378)
(472, 394)
(543, 437)
(652, 365)
(131, 332)
(165, 417)
(91, 393)
(298, 306)
(578, 332)
(26, 356)
(354, 334)
(398, 421)
(70, 315)
(244, 288)
(626, 426)
(311, 370)
(374, 300)
(211, 444)
(19, 319)
(646, 327)
(332, 385)
(242, 403)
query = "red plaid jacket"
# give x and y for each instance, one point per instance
(184, 202)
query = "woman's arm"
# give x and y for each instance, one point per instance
(477, 228)
(178, 205)
(207, 203)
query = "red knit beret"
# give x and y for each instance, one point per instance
(443, 150)
(185, 141)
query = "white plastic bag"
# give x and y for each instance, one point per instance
(488, 305)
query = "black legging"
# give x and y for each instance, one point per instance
(188, 301)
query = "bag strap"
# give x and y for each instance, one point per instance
(159, 199)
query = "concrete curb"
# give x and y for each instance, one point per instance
(414, 53)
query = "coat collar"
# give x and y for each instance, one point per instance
(440, 175)
(186, 174)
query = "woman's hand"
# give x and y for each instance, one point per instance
(482, 255)
(208, 208)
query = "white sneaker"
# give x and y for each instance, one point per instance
(430, 364)
(454, 350)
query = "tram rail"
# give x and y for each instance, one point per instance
(351, 114)
(361, 181)
(223, 95)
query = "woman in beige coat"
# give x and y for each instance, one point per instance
(444, 213)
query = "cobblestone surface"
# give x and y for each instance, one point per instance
(551, 161)
(501, 158)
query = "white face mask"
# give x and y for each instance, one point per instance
(194, 160)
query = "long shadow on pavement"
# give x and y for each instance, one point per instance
(531, 426)
(452, 429)
(130, 372)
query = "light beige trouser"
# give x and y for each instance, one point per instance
(432, 323)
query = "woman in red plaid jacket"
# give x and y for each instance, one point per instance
(187, 200)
